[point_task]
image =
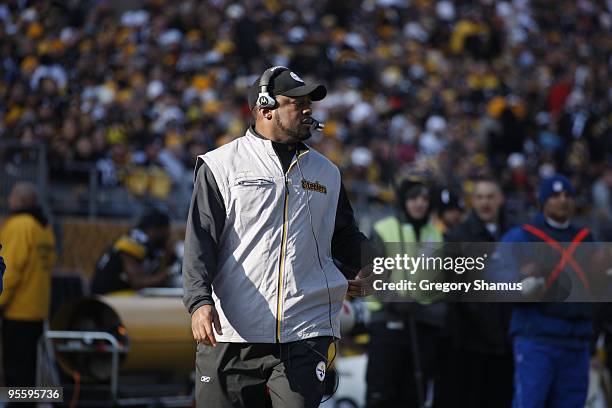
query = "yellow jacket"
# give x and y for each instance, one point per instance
(29, 254)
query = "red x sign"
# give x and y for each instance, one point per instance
(566, 254)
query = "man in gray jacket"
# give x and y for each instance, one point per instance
(268, 216)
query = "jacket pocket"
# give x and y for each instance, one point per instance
(258, 182)
(252, 196)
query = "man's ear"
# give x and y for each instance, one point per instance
(266, 113)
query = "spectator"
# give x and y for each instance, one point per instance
(29, 249)
(175, 71)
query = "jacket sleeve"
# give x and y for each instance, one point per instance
(204, 225)
(349, 245)
(16, 243)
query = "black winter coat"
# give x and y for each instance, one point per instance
(480, 327)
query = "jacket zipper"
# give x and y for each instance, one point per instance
(281, 268)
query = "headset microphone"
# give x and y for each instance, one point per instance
(318, 126)
(315, 124)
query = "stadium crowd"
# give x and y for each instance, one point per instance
(518, 89)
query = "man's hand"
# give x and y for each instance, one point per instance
(202, 322)
(362, 285)
(533, 288)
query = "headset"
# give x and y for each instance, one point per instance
(264, 99)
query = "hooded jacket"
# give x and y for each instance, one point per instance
(403, 234)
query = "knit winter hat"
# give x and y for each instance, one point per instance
(552, 185)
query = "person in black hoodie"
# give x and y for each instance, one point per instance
(480, 358)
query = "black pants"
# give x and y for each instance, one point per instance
(262, 375)
(391, 379)
(19, 340)
(480, 380)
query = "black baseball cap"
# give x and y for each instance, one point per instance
(287, 83)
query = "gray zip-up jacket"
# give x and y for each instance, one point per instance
(250, 244)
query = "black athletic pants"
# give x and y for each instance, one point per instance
(480, 380)
(390, 377)
(262, 375)
(19, 340)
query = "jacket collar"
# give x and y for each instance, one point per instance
(267, 143)
(260, 141)
(477, 227)
(36, 212)
(540, 220)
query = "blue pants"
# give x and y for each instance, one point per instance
(549, 375)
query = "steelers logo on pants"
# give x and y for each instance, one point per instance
(320, 370)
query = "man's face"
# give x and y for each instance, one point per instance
(487, 199)
(290, 116)
(559, 206)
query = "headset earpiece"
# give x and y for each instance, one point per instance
(264, 99)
